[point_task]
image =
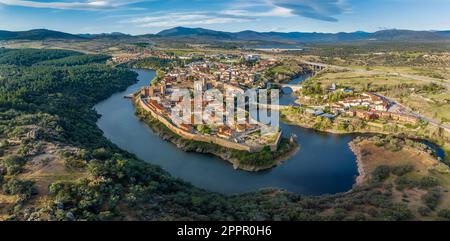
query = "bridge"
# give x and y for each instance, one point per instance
(293, 87)
(317, 67)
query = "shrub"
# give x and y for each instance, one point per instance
(402, 170)
(428, 182)
(61, 192)
(13, 164)
(394, 145)
(105, 216)
(431, 198)
(18, 187)
(424, 211)
(338, 215)
(74, 163)
(405, 182)
(381, 173)
(360, 217)
(101, 154)
(397, 212)
(444, 213)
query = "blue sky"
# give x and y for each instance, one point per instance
(151, 16)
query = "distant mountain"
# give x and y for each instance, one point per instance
(36, 34)
(444, 33)
(203, 34)
(384, 35)
(195, 32)
(407, 35)
(318, 37)
(113, 35)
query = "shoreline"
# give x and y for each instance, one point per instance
(280, 160)
(357, 151)
(366, 132)
(362, 169)
(235, 162)
(223, 153)
(359, 163)
(332, 131)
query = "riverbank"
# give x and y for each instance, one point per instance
(242, 160)
(376, 150)
(440, 142)
(311, 126)
(287, 71)
(359, 163)
(425, 133)
(358, 151)
(297, 173)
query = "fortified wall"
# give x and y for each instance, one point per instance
(208, 139)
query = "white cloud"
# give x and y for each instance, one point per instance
(274, 12)
(75, 5)
(243, 11)
(325, 10)
(185, 19)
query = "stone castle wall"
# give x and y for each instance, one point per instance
(209, 139)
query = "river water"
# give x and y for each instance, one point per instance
(323, 165)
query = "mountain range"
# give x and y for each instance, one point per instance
(36, 34)
(383, 35)
(207, 34)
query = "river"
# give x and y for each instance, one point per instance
(323, 165)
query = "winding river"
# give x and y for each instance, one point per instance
(323, 165)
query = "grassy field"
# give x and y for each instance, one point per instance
(81, 46)
(435, 106)
(85, 46)
(362, 80)
(386, 55)
(441, 73)
(42, 169)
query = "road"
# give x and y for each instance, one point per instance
(445, 83)
(411, 112)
